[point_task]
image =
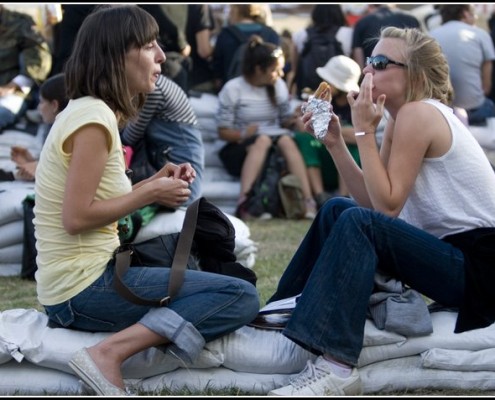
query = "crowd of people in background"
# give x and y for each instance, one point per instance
(200, 42)
(413, 200)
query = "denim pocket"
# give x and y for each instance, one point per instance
(61, 314)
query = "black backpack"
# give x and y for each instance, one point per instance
(264, 196)
(318, 49)
(235, 67)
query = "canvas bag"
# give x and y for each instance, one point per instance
(291, 197)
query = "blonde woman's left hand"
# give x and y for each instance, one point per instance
(366, 115)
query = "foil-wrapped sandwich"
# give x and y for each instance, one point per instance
(319, 105)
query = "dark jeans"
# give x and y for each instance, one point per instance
(478, 116)
(334, 269)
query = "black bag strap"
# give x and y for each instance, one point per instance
(181, 255)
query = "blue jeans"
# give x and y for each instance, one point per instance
(478, 116)
(183, 142)
(207, 307)
(334, 269)
(7, 118)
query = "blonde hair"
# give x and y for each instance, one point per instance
(427, 66)
(256, 12)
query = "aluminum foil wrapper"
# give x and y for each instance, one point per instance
(322, 114)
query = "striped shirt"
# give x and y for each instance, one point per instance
(241, 104)
(167, 102)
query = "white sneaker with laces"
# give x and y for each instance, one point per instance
(318, 380)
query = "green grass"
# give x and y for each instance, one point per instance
(277, 241)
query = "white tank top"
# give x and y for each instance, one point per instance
(455, 192)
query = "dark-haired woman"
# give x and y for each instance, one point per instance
(254, 112)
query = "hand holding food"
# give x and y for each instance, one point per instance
(319, 105)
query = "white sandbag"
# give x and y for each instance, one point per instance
(24, 332)
(6, 351)
(485, 134)
(266, 351)
(166, 222)
(11, 254)
(443, 336)
(11, 233)
(161, 224)
(211, 150)
(10, 269)
(27, 379)
(222, 379)
(209, 128)
(218, 174)
(11, 196)
(260, 351)
(241, 229)
(205, 105)
(459, 360)
(406, 373)
(10, 138)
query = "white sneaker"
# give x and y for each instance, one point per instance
(318, 380)
(265, 216)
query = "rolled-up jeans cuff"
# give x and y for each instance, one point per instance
(186, 341)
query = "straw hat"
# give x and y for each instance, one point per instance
(342, 72)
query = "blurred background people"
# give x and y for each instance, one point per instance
(25, 62)
(52, 100)
(470, 54)
(247, 19)
(367, 28)
(327, 35)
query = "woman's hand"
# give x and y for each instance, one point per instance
(20, 155)
(170, 191)
(251, 130)
(27, 171)
(183, 171)
(366, 115)
(334, 132)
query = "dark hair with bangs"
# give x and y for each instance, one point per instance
(96, 66)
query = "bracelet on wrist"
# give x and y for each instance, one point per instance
(362, 133)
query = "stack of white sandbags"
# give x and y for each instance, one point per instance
(12, 195)
(219, 186)
(34, 360)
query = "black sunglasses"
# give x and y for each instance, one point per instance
(380, 62)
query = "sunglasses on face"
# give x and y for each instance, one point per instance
(380, 62)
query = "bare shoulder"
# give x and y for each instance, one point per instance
(421, 115)
(427, 125)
